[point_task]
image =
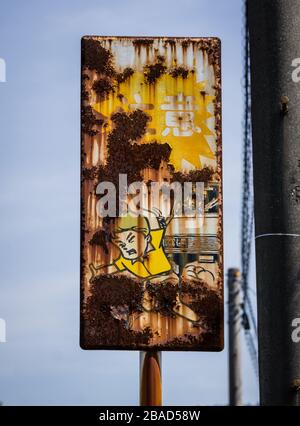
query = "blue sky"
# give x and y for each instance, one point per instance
(41, 362)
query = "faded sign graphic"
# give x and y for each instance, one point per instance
(151, 194)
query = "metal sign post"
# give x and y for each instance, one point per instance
(150, 379)
(151, 198)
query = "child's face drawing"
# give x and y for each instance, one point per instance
(132, 244)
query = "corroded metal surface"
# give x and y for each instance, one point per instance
(150, 379)
(151, 110)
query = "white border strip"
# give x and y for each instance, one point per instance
(277, 234)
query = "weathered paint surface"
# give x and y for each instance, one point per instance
(151, 108)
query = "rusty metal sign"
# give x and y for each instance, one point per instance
(151, 194)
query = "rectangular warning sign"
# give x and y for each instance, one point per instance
(151, 194)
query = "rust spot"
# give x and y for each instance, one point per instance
(190, 342)
(212, 48)
(153, 71)
(203, 300)
(89, 173)
(203, 175)
(132, 125)
(170, 41)
(124, 75)
(116, 291)
(84, 94)
(179, 72)
(120, 96)
(164, 297)
(125, 154)
(100, 239)
(96, 58)
(103, 86)
(142, 42)
(185, 43)
(106, 294)
(151, 154)
(89, 121)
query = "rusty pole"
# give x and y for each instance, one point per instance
(150, 379)
(235, 326)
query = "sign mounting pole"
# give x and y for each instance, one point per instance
(150, 378)
(151, 199)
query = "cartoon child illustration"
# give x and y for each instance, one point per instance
(141, 252)
(140, 245)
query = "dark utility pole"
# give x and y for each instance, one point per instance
(274, 27)
(235, 328)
